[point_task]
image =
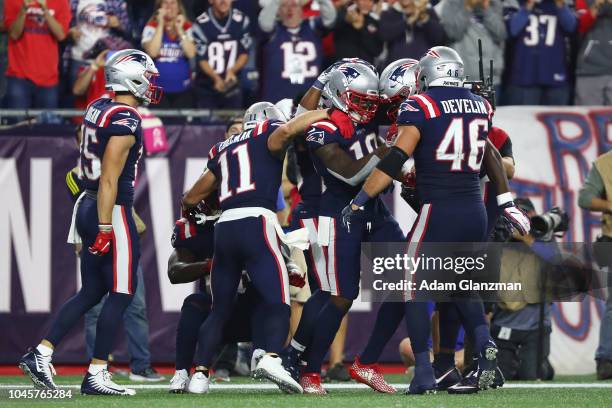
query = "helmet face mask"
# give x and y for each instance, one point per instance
(353, 89)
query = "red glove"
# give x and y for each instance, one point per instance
(391, 135)
(342, 120)
(103, 241)
(409, 179)
(296, 279)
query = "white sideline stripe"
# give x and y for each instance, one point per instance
(261, 387)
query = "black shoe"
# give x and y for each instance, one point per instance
(487, 365)
(604, 369)
(467, 385)
(102, 384)
(148, 374)
(499, 380)
(448, 378)
(338, 372)
(39, 368)
(424, 382)
(290, 359)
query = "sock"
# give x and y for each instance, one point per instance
(196, 308)
(444, 361)
(449, 323)
(473, 320)
(389, 316)
(423, 369)
(309, 319)
(109, 323)
(328, 323)
(44, 350)
(96, 368)
(418, 324)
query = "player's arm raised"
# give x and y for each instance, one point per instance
(115, 156)
(283, 134)
(203, 187)
(513, 216)
(183, 268)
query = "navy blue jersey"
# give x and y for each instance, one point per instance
(221, 42)
(338, 193)
(248, 174)
(539, 48)
(103, 120)
(453, 123)
(292, 60)
(310, 184)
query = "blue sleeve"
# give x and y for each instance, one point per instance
(410, 114)
(567, 19)
(122, 122)
(280, 200)
(320, 134)
(518, 21)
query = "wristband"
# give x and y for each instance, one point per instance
(504, 198)
(105, 227)
(361, 199)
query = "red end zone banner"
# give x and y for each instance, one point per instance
(553, 148)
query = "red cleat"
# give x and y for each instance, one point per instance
(311, 383)
(370, 375)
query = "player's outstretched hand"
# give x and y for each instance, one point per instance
(347, 213)
(103, 241)
(515, 218)
(342, 120)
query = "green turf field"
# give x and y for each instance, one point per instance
(574, 392)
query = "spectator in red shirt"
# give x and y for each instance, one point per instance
(90, 83)
(35, 28)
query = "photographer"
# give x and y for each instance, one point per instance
(521, 327)
(596, 195)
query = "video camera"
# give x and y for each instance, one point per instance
(483, 87)
(550, 222)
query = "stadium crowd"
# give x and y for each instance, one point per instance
(228, 54)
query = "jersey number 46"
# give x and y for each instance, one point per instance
(451, 148)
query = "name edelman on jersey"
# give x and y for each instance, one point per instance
(92, 115)
(464, 106)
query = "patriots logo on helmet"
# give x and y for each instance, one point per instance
(138, 57)
(398, 74)
(432, 53)
(350, 73)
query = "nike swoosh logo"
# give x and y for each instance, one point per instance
(446, 374)
(124, 113)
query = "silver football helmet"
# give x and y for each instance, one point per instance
(353, 88)
(397, 82)
(440, 66)
(133, 71)
(260, 111)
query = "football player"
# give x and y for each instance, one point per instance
(246, 170)
(447, 145)
(397, 82)
(343, 161)
(103, 222)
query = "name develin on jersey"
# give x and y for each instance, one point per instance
(463, 106)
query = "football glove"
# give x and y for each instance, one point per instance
(342, 120)
(103, 241)
(296, 277)
(347, 213)
(515, 218)
(323, 77)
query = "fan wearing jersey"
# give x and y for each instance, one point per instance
(246, 169)
(292, 52)
(433, 126)
(222, 39)
(102, 220)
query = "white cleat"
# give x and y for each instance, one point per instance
(270, 367)
(179, 382)
(103, 384)
(198, 384)
(257, 355)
